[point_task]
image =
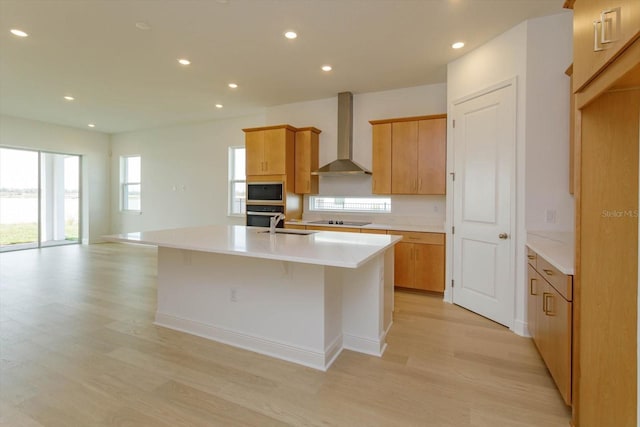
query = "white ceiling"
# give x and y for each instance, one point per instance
(124, 78)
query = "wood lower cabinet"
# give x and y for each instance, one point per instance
(420, 261)
(550, 319)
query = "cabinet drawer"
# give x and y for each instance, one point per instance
(343, 229)
(531, 257)
(373, 231)
(295, 227)
(560, 281)
(419, 237)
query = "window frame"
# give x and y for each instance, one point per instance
(232, 181)
(125, 184)
(387, 200)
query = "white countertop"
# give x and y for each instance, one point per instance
(378, 226)
(337, 249)
(556, 247)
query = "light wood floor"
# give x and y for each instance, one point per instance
(78, 348)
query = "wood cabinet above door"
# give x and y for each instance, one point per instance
(409, 155)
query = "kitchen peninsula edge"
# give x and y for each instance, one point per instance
(297, 297)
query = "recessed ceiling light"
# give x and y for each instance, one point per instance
(141, 25)
(218, 105)
(184, 61)
(18, 33)
(290, 35)
(91, 125)
(233, 85)
(457, 45)
(69, 98)
(327, 68)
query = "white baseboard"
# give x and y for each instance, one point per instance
(521, 328)
(302, 356)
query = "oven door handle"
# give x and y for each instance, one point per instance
(263, 213)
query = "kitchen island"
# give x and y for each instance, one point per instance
(298, 296)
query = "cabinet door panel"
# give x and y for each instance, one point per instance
(254, 145)
(534, 294)
(404, 154)
(432, 147)
(403, 265)
(381, 159)
(429, 267)
(587, 61)
(558, 312)
(275, 150)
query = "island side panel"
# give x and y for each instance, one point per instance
(271, 307)
(367, 304)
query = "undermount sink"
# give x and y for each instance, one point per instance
(284, 231)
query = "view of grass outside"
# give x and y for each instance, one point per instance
(38, 190)
(19, 216)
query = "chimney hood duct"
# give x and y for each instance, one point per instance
(343, 165)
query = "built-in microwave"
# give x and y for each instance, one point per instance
(265, 192)
(260, 215)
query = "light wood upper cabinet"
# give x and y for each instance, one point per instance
(270, 150)
(404, 157)
(432, 156)
(381, 175)
(602, 29)
(307, 160)
(409, 155)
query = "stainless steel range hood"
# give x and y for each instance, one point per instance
(343, 165)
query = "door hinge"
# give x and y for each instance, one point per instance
(453, 230)
(452, 283)
(453, 176)
(454, 123)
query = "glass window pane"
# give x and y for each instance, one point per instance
(132, 197)
(351, 204)
(239, 164)
(238, 198)
(132, 169)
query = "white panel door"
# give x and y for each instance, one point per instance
(484, 191)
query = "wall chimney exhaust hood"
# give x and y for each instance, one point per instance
(343, 165)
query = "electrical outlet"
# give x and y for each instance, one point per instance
(550, 216)
(234, 295)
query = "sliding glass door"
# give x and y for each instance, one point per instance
(39, 199)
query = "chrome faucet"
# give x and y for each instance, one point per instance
(274, 221)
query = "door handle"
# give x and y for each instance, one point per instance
(503, 236)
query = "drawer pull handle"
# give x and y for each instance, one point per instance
(548, 272)
(547, 298)
(531, 256)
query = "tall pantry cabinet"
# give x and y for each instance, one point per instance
(606, 86)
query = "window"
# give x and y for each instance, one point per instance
(130, 178)
(237, 181)
(350, 204)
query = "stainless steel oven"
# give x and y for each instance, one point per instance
(260, 215)
(265, 192)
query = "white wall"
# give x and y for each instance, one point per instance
(536, 53)
(94, 149)
(549, 53)
(195, 156)
(184, 174)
